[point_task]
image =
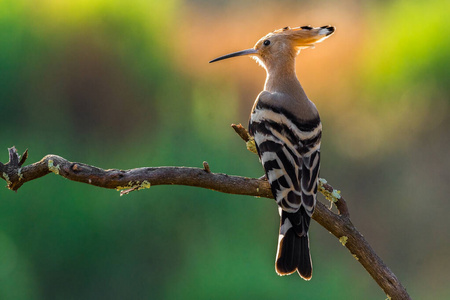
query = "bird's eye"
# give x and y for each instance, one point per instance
(266, 43)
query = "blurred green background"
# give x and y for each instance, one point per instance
(125, 84)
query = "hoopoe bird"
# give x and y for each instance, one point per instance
(287, 131)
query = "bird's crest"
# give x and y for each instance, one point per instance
(303, 36)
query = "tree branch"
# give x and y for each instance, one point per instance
(135, 179)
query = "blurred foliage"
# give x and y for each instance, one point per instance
(124, 84)
(409, 43)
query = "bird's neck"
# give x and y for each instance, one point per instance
(281, 78)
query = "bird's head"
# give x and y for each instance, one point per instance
(283, 44)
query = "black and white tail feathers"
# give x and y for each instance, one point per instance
(293, 246)
(289, 149)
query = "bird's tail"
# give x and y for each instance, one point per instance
(293, 251)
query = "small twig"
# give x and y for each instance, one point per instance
(248, 139)
(23, 158)
(126, 192)
(241, 131)
(334, 196)
(206, 167)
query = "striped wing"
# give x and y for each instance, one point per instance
(289, 150)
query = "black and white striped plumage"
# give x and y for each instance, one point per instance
(289, 149)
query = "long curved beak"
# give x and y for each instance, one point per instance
(234, 54)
